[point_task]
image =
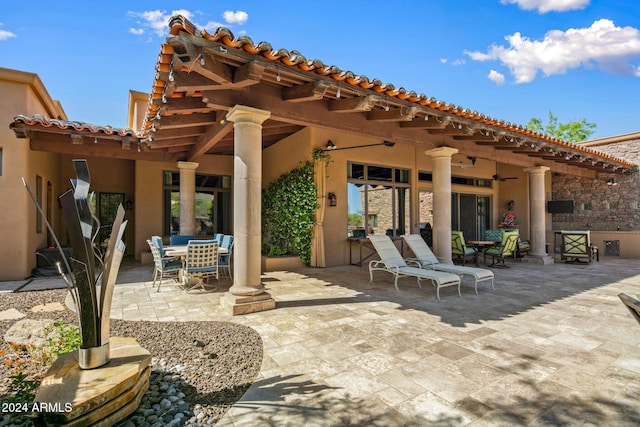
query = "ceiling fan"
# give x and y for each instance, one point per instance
(498, 177)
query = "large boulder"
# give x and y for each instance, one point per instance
(29, 331)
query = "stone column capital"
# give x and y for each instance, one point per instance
(188, 165)
(441, 152)
(244, 114)
(537, 170)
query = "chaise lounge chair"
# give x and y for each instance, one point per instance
(632, 304)
(392, 262)
(427, 259)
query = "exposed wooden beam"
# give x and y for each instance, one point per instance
(192, 82)
(312, 91)
(164, 143)
(429, 123)
(184, 105)
(511, 147)
(214, 134)
(186, 120)
(315, 114)
(451, 130)
(163, 134)
(394, 115)
(353, 105)
(62, 144)
(476, 138)
(248, 74)
(212, 69)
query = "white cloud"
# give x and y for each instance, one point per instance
(458, 62)
(6, 35)
(602, 44)
(156, 20)
(238, 17)
(212, 25)
(544, 6)
(496, 77)
(443, 60)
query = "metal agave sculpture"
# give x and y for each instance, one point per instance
(91, 275)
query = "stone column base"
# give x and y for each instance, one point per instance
(538, 259)
(245, 304)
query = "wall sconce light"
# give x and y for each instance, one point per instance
(333, 200)
(333, 147)
(129, 205)
(612, 181)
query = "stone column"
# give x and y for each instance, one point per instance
(538, 252)
(247, 293)
(441, 170)
(187, 198)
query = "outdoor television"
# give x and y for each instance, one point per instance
(560, 206)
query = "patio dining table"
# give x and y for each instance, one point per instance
(181, 251)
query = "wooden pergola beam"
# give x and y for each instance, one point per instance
(186, 120)
(248, 74)
(57, 143)
(184, 105)
(214, 134)
(312, 91)
(353, 105)
(394, 115)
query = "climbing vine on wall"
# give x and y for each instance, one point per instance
(288, 214)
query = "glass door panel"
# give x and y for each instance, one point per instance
(468, 216)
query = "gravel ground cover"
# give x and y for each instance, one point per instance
(199, 369)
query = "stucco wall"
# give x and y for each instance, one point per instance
(149, 194)
(20, 240)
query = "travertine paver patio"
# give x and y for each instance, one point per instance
(552, 345)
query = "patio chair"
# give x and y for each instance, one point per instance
(157, 240)
(201, 263)
(177, 240)
(460, 249)
(224, 261)
(632, 304)
(427, 259)
(507, 247)
(493, 235)
(392, 262)
(576, 246)
(163, 267)
(217, 237)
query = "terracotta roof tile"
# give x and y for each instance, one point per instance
(39, 120)
(295, 59)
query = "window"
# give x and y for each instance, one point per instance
(105, 207)
(39, 200)
(381, 196)
(471, 214)
(213, 204)
(459, 180)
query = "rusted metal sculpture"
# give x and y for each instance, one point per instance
(91, 276)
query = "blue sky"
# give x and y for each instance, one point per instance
(509, 59)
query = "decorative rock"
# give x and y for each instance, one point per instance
(11, 314)
(28, 331)
(53, 306)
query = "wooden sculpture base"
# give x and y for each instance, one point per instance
(71, 396)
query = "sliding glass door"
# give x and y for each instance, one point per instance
(471, 214)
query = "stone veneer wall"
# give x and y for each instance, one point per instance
(612, 207)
